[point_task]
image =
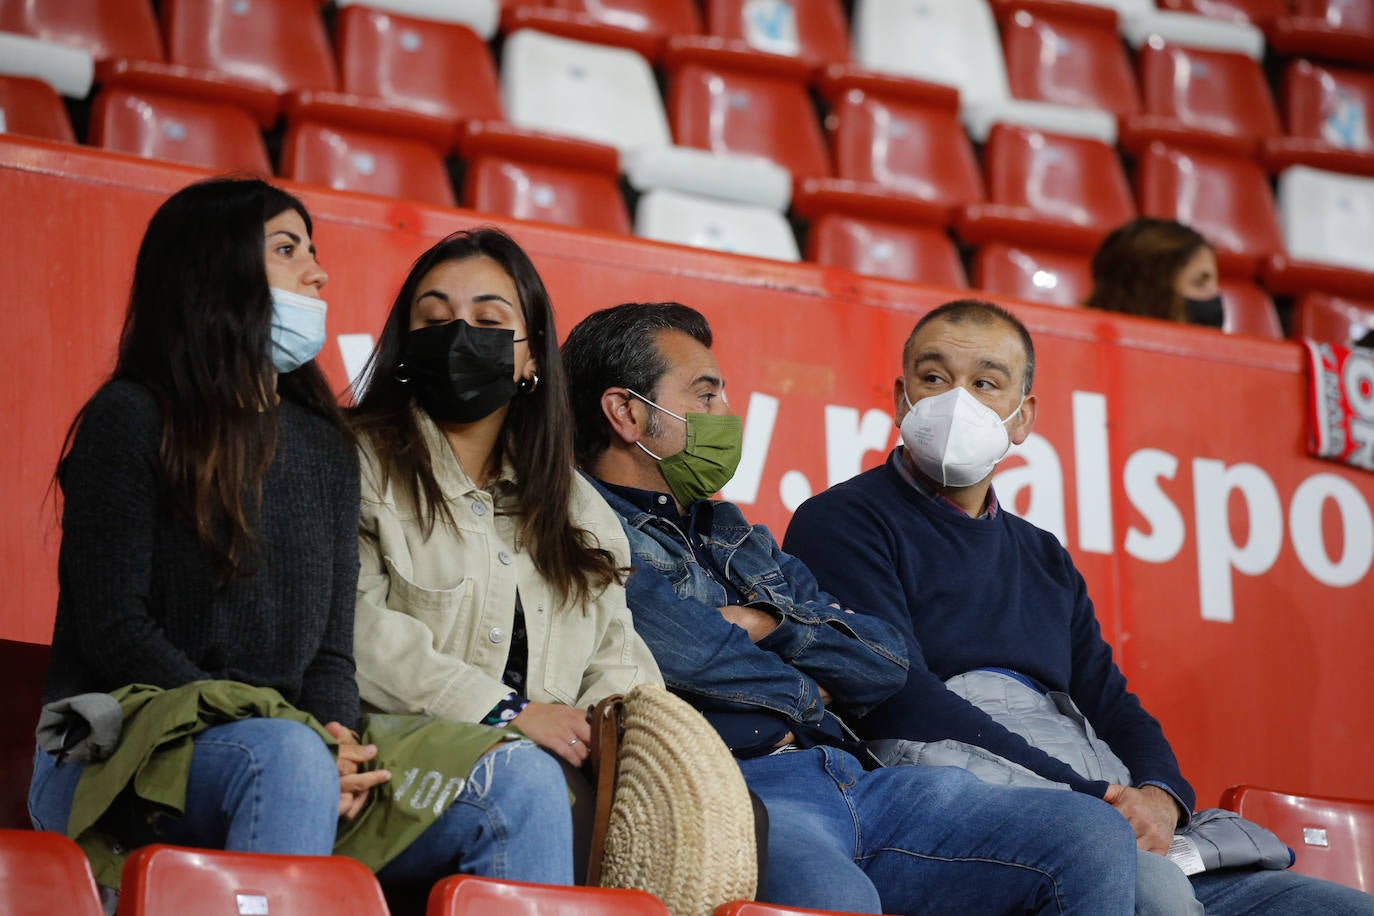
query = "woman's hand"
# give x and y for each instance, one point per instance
(562, 729)
(354, 785)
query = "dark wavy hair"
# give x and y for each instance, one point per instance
(197, 334)
(1135, 267)
(536, 437)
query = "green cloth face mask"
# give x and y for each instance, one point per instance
(714, 445)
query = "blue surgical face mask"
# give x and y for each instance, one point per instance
(297, 329)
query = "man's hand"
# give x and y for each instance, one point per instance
(354, 785)
(562, 729)
(1153, 814)
(756, 622)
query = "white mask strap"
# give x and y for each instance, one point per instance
(655, 406)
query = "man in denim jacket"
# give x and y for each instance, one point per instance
(741, 630)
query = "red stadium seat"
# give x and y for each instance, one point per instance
(728, 99)
(1257, 12)
(1327, 220)
(528, 175)
(899, 251)
(1341, 30)
(1330, 116)
(105, 28)
(203, 133)
(1247, 309)
(815, 30)
(353, 160)
(1033, 274)
(23, 667)
(34, 109)
(1226, 198)
(1201, 97)
(1333, 838)
(1067, 54)
(470, 895)
(279, 45)
(440, 69)
(45, 873)
(1048, 189)
(163, 880)
(1332, 318)
(754, 908)
(902, 137)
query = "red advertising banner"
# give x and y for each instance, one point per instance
(1230, 570)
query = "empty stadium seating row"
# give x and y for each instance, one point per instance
(1047, 88)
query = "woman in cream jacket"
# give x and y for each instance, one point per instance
(492, 575)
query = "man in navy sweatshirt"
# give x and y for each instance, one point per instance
(922, 543)
(740, 630)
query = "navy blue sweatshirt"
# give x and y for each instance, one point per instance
(974, 593)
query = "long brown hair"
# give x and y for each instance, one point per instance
(1135, 268)
(197, 334)
(536, 437)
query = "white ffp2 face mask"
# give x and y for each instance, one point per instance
(955, 439)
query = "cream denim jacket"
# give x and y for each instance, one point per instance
(434, 614)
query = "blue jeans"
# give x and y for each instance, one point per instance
(935, 840)
(1277, 893)
(271, 785)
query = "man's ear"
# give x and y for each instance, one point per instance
(1021, 427)
(899, 407)
(617, 408)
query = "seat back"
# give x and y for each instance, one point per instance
(814, 30)
(44, 873)
(207, 134)
(355, 160)
(954, 42)
(23, 666)
(161, 880)
(1226, 198)
(33, 108)
(1327, 218)
(1333, 318)
(1345, 15)
(1032, 274)
(1068, 55)
(1247, 309)
(1333, 838)
(470, 895)
(701, 222)
(577, 89)
(659, 18)
(1071, 180)
(746, 104)
(1333, 104)
(908, 144)
(104, 28)
(878, 248)
(1208, 91)
(280, 45)
(441, 69)
(535, 176)
(1257, 12)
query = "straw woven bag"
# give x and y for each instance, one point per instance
(673, 814)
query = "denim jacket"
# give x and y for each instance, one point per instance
(674, 600)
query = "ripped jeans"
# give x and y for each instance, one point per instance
(270, 785)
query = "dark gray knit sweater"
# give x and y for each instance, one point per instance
(138, 600)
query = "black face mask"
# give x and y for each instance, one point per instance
(459, 373)
(1206, 312)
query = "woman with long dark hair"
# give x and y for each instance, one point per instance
(1157, 268)
(210, 504)
(491, 587)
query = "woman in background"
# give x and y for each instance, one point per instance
(1157, 268)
